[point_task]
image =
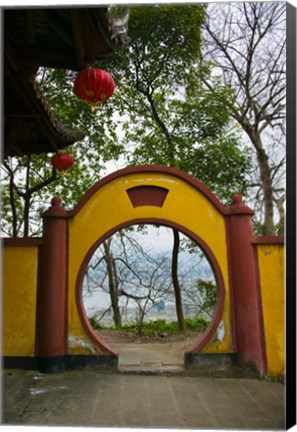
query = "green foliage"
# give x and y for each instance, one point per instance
(208, 291)
(169, 40)
(95, 324)
(160, 113)
(117, 10)
(197, 323)
(159, 327)
(174, 118)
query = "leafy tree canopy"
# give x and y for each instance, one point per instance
(160, 113)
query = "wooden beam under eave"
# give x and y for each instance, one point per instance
(11, 149)
(78, 40)
(12, 145)
(30, 32)
(47, 58)
(10, 54)
(61, 31)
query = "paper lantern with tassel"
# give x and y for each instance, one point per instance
(94, 86)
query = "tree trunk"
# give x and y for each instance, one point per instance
(281, 211)
(26, 214)
(268, 227)
(27, 198)
(113, 284)
(177, 291)
(13, 207)
(141, 312)
(266, 181)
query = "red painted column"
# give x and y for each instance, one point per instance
(51, 319)
(245, 288)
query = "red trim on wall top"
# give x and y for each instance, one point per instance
(22, 241)
(268, 240)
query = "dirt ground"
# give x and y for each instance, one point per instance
(182, 340)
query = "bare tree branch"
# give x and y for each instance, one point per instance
(247, 43)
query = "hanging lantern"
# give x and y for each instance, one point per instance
(62, 162)
(94, 86)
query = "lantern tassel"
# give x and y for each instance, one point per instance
(94, 105)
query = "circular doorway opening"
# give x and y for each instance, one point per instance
(151, 283)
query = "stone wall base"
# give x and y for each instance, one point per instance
(61, 363)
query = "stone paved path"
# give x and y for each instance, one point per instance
(88, 398)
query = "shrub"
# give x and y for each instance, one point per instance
(158, 327)
(161, 326)
(197, 323)
(95, 324)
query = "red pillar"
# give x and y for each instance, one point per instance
(245, 288)
(51, 319)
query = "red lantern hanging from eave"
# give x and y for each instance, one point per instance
(94, 86)
(62, 162)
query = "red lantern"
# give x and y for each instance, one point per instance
(62, 162)
(94, 86)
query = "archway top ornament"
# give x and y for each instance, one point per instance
(237, 205)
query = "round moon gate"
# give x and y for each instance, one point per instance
(153, 195)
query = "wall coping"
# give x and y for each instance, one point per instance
(22, 241)
(268, 240)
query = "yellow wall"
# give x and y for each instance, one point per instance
(110, 206)
(19, 282)
(271, 267)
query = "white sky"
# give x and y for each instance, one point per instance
(98, 2)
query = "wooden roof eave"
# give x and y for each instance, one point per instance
(65, 132)
(93, 38)
(55, 134)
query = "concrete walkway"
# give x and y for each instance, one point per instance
(149, 358)
(88, 398)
